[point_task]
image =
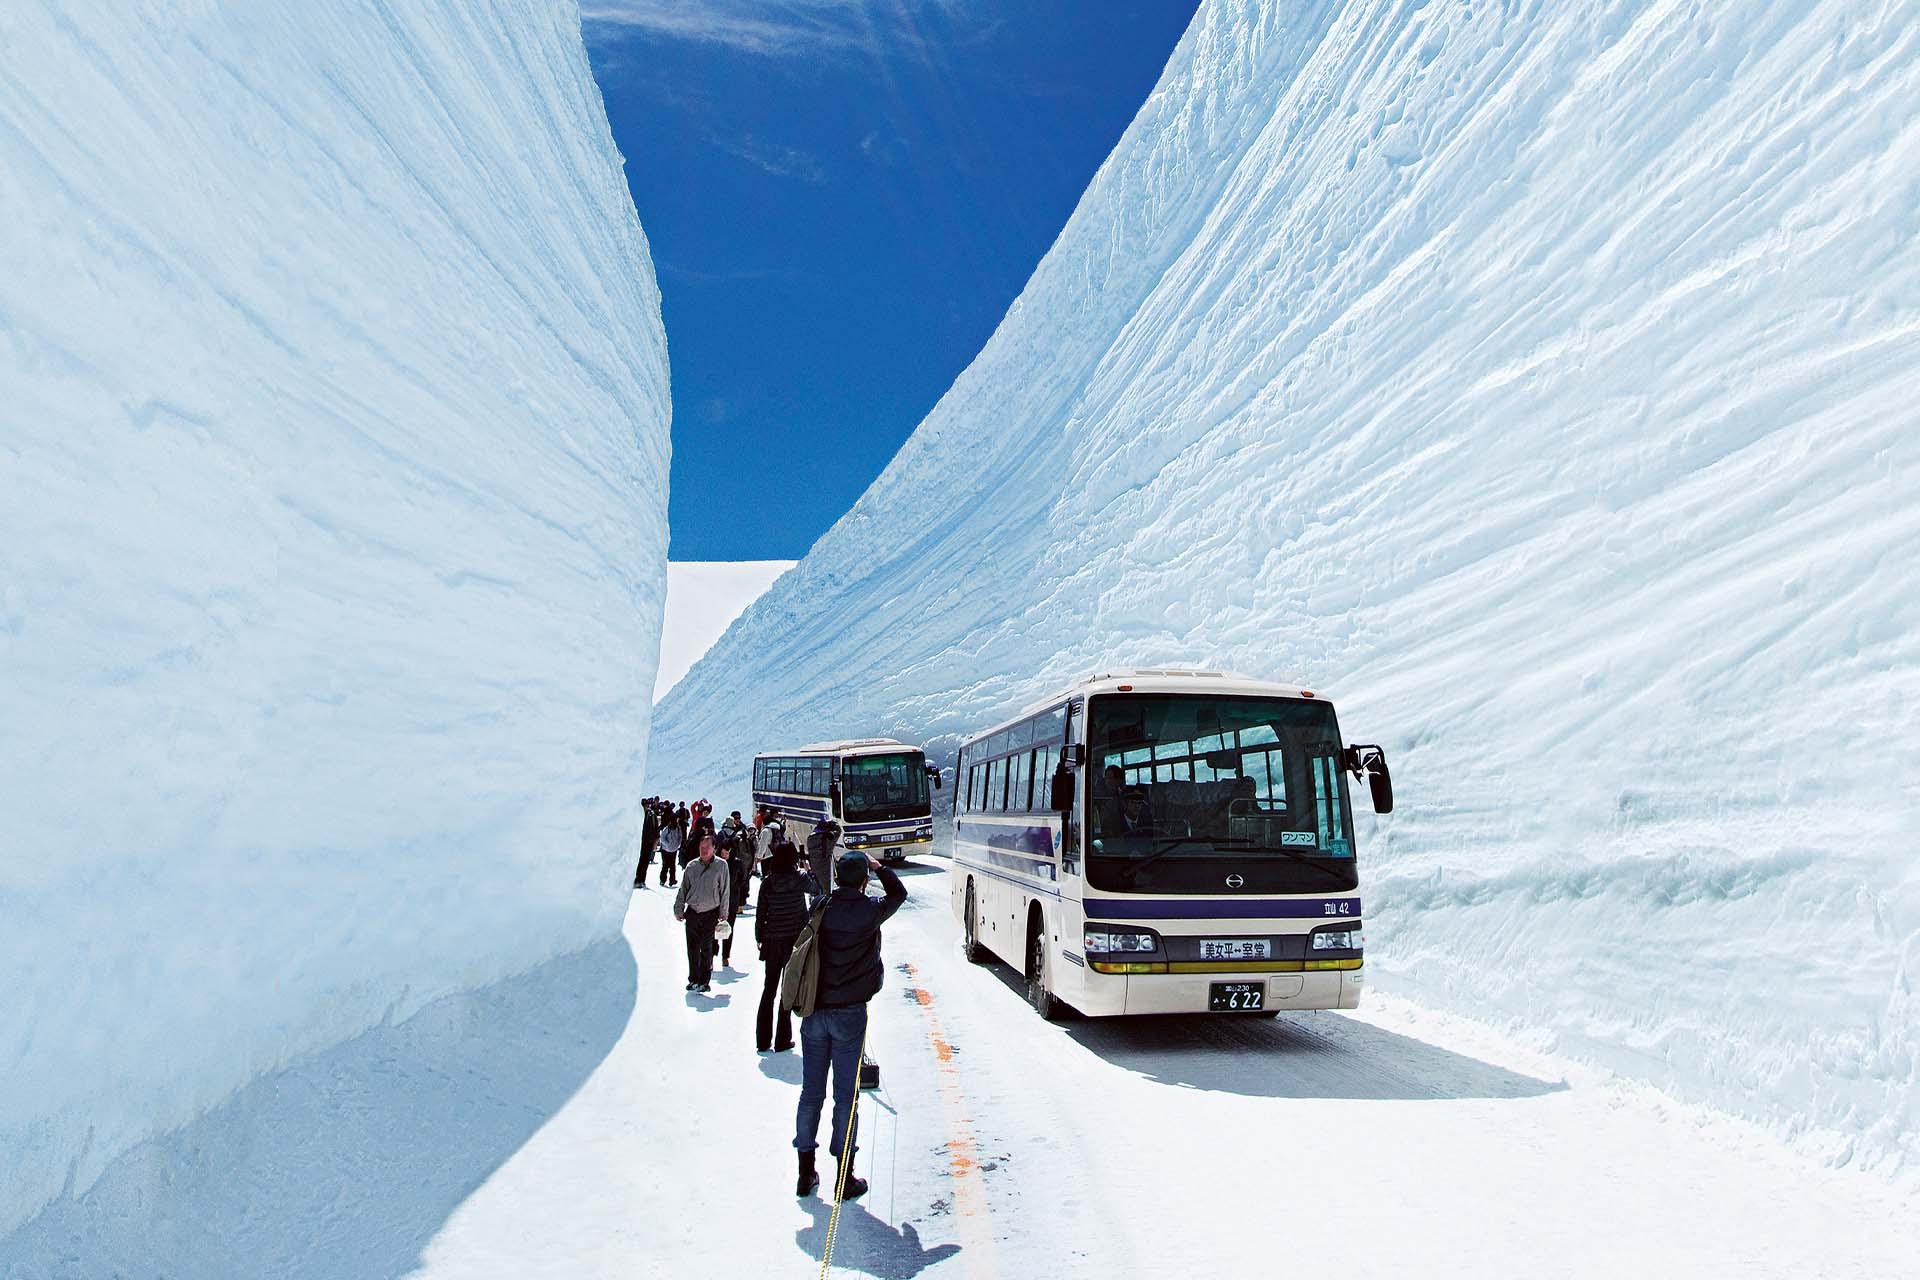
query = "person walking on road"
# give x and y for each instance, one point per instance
(702, 897)
(786, 895)
(821, 845)
(832, 1035)
(739, 867)
(649, 836)
(767, 833)
(671, 836)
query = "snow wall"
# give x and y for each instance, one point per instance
(333, 455)
(1538, 380)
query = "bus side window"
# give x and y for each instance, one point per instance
(1045, 761)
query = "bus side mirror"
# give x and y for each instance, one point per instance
(1074, 755)
(1062, 796)
(1372, 761)
(833, 793)
(1380, 782)
(935, 775)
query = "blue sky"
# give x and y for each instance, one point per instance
(843, 196)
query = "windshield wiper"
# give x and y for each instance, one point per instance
(1302, 858)
(1160, 849)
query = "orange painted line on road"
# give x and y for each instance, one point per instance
(969, 1188)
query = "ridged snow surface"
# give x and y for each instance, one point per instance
(1539, 381)
(333, 443)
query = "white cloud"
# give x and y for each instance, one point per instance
(781, 161)
(776, 28)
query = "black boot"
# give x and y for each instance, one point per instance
(851, 1186)
(809, 1180)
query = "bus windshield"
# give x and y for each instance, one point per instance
(893, 785)
(1186, 790)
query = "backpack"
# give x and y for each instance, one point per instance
(800, 980)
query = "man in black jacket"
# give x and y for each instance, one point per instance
(832, 1035)
(649, 836)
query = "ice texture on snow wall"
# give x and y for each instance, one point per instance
(333, 447)
(1539, 381)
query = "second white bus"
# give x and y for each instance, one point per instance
(875, 788)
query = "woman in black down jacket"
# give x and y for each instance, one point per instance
(779, 913)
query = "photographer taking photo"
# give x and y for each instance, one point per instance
(831, 1036)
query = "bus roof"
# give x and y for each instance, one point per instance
(1151, 680)
(847, 747)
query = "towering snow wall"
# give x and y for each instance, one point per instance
(333, 442)
(1537, 379)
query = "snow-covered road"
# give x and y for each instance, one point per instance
(1393, 1143)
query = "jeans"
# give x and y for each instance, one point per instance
(669, 867)
(830, 1038)
(776, 955)
(700, 945)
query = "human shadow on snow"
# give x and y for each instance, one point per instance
(344, 1165)
(865, 1243)
(784, 1067)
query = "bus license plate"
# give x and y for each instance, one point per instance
(1230, 996)
(1235, 949)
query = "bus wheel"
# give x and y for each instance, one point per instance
(1037, 994)
(970, 940)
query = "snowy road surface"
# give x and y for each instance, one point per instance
(1391, 1143)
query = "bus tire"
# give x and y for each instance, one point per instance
(1038, 995)
(970, 935)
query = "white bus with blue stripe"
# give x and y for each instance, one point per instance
(875, 788)
(1166, 842)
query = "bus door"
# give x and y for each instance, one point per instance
(1070, 825)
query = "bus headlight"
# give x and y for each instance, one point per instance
(1100, 942)
(1339, 940)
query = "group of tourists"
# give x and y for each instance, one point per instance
(710, 867)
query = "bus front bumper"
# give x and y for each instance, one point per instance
(891, 848)
(1188, 992)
